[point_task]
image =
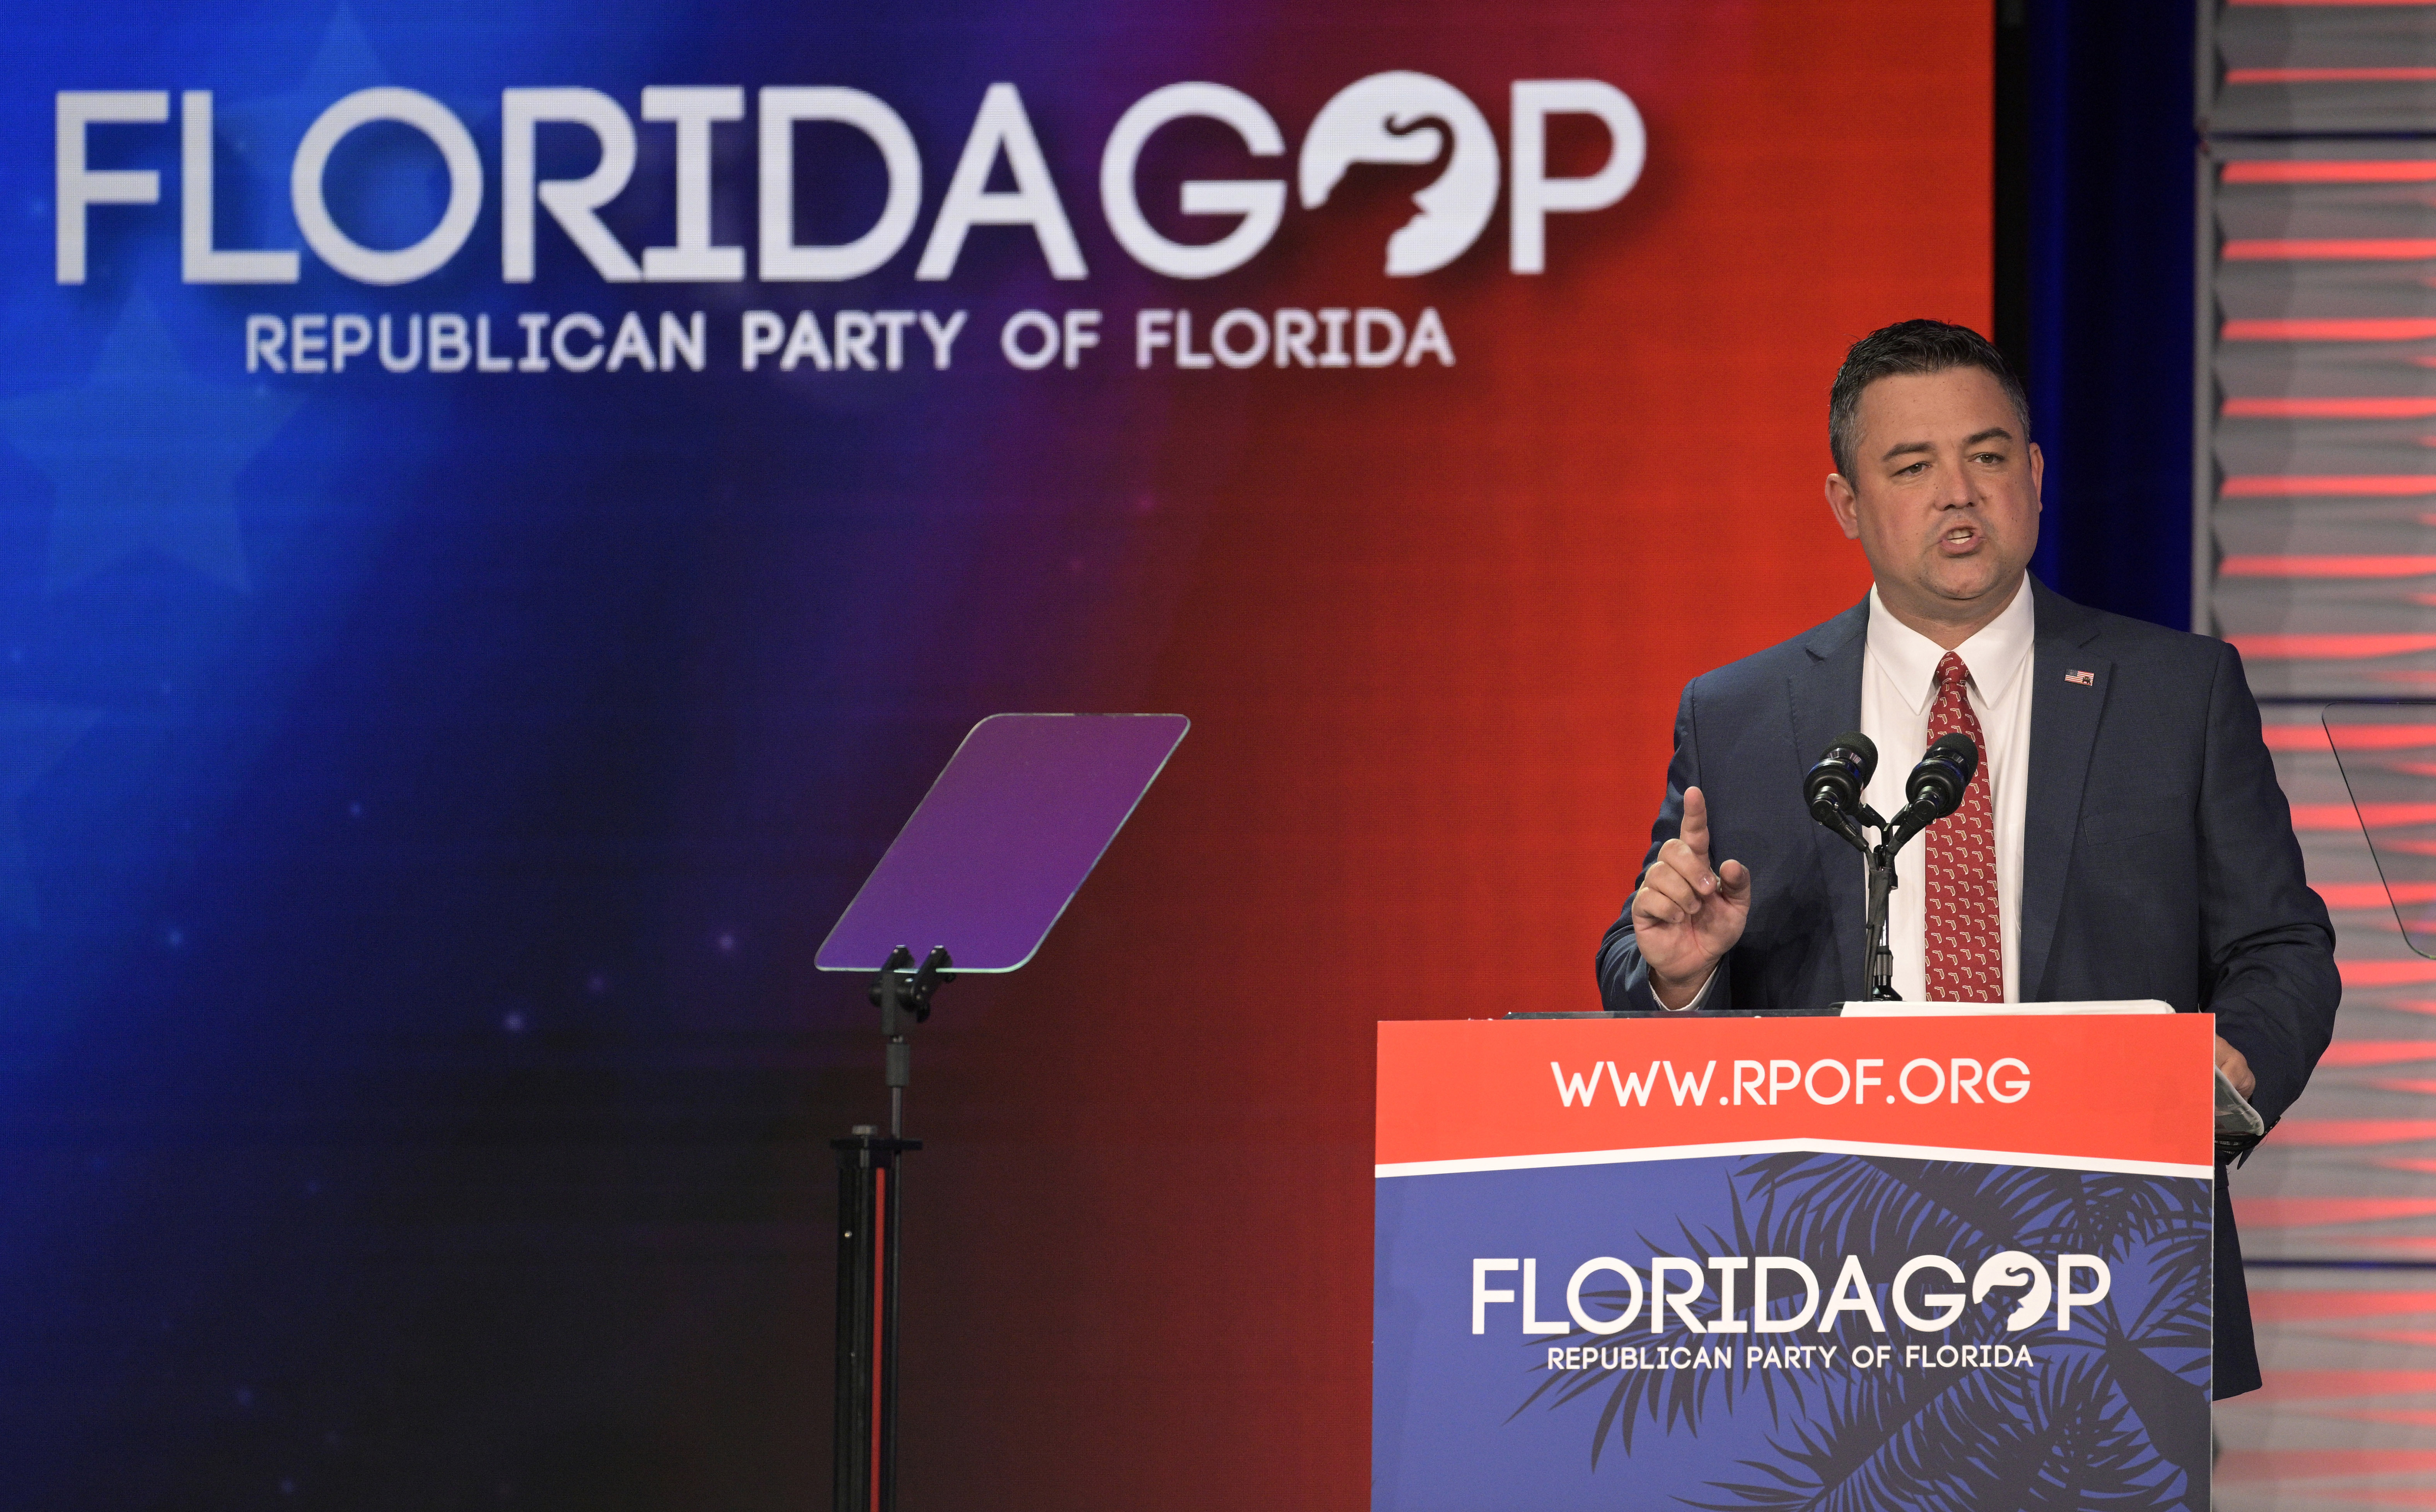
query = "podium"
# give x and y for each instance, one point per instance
(1956, 1262)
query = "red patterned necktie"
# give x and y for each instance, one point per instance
(1966, 944)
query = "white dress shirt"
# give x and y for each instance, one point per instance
(1898, 686)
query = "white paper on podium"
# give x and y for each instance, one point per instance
(2234, 1114)
(1945, 1010)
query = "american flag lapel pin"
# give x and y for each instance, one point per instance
(2084, 679)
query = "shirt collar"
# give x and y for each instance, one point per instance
(1995, 656)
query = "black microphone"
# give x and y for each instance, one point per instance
(1834, 784)
(1944, 773)
(1935, 787)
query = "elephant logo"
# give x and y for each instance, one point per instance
(2013, 1268)
(1406, 117)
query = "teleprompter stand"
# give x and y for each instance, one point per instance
(988, 862)
(869, 1240)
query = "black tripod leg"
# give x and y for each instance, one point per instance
(864, 1447)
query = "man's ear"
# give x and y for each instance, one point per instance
(1847, 506)
(2038, 474)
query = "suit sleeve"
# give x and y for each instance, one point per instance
(2270, 973)
(1623, 975)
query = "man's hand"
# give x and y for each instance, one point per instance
(2236, 1067)
(1688, 914)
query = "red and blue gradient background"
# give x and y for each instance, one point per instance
(1431, 639)
(415, 1085)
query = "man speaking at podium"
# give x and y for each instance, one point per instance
(2123, 837)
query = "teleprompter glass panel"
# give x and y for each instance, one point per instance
(2386, 751)
(996, 850)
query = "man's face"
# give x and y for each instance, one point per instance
(1943, 497)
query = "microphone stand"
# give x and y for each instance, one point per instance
(1882, 884)
(1935, 789)
(1892, 837)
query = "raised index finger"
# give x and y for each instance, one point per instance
(1695, 823)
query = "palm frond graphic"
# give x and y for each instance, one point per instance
(2113, 1415)
(2061, 1439)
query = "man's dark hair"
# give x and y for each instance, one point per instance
(1910, 347)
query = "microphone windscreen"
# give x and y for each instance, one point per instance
(1862, 746)
(1937, 785)
(1831, 788)
(1961, 750)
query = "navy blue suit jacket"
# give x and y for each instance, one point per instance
(2157, 854)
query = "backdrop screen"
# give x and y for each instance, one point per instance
(505, 508)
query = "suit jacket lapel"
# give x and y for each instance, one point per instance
(2064, 730)
(1826, 701)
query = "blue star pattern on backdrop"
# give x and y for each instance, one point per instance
(142, 459)
(266, 129)
(260, 134)
(144, 456)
